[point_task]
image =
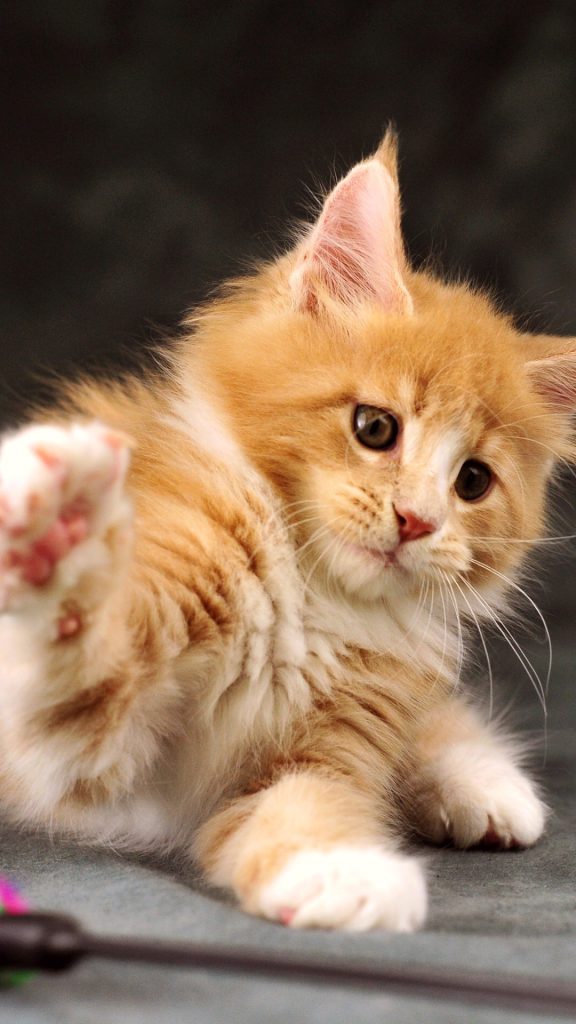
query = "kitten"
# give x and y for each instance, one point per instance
(232, 593)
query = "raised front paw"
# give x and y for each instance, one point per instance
(476, 798)
(60, 502)
(354, 888)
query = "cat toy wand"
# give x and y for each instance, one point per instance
(32, 942)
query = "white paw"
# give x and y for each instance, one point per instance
(60, 492)
(350, 887)
(481, 798)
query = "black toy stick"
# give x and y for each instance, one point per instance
(53, 942)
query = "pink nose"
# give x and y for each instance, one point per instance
(410, 526)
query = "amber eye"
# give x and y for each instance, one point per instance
(375, 428)
(473, 480)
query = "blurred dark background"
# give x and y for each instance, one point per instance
(151, 146)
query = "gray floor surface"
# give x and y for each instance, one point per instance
(504, 912)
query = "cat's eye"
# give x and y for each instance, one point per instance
(473, 481)
(375, 428)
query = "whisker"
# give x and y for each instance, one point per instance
(421, 601)
(336, 539)
(541, 444)
(335, 552)
(445, 638)
(483, 642)
(521, 655)
(297, 523)
(526, 540)
(510, 462)
(440, 671)
(530, 600)
(322, 529)
(428, 621)
(460, 652)
(525, 419)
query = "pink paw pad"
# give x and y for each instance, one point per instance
(38, 562)
(51, 460)
(69, 625)
(35, 568)
(59, 485)
(286, 915)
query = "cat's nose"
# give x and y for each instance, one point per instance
(411, 526)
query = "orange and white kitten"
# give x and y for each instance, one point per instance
(232, 592)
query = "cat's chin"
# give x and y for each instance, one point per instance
(375, 556)
(367, 573)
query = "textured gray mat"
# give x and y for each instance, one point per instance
(512, 912)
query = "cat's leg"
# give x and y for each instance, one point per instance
(309, 852)
(469, 787)
(77, 718)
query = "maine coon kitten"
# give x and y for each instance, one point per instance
(231, 592)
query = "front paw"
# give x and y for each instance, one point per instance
(61, 507)
(476, 798)
(354, 888)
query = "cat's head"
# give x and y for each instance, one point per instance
(410, 428)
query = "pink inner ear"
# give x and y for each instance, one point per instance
(555, 379)
(355, 250)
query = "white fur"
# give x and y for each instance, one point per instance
(201, 419)
(350, 887)
(447, 458)
(478, 790)
(85, 462)
(412, 439)
(398, 628)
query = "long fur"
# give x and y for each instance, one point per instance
(215, 656)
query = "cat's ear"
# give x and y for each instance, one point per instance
(551, 367)
(354, 253)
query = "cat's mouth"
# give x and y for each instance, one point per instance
(387, 559)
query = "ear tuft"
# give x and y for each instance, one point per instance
(387, 153)
(354, 253)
